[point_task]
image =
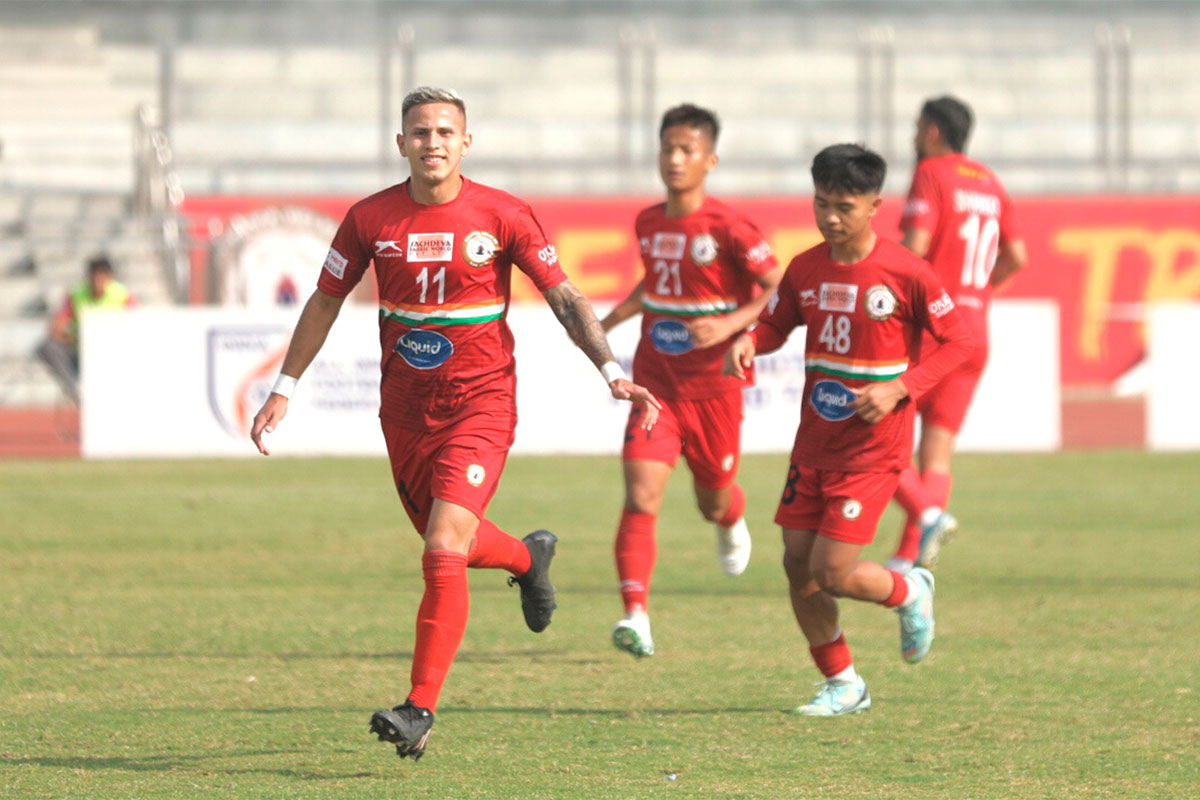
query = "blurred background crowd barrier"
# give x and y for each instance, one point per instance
(208, 147)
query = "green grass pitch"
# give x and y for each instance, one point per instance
(224, 630)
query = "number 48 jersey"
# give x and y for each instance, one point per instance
(863, 324)
(967, 214)
(443, 275)
(703, 264)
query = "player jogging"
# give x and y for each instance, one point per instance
(444, 248)
(702, 261)
(959, 218)
(865, 301)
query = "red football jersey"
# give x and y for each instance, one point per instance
(704, 263)
(443, 275)
(968, 214)
(864, 323)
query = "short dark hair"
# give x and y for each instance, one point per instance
(849, 169)
(694, 117)
(953, 119)
(99, 264)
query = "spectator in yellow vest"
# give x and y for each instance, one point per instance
(60, 350)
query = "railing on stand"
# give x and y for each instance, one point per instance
(158, 197)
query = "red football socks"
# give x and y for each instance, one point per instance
(899, 590)
(737, 506)
(441, 622)
(937, 486)
(912, 494)
(832, 657)
(910, 540)
(636, 551)
(495, 549)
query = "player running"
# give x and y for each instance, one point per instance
(702, 260)
(444, 248)
(865, 301)
(960, 219)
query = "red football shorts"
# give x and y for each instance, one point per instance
(707, 432)
(946, 404)
(837, 505)
(460, 462)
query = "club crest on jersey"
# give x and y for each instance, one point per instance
(851, 509)
(424, 349)
(838, 297)
(670, 336)
(480, 248)
(668, 245)
(703, 250)
(832, 400)
(430, 247)
(879, 302)
(476, 474)
(335, 264)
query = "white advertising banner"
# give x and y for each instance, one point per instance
(172, 382)
(1171, 419)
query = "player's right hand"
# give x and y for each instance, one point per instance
(625, 389)
(739, 357)
(270, 415)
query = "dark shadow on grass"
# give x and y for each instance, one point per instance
(604, 712)
(466, 657)
(183, 763)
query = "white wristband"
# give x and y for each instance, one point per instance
(284, 385)
(611, 371)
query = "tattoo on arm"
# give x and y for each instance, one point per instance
(576, 315)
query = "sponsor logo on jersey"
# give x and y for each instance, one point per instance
(879, 302)
(424, 349)
(476, 474)
(548, 254)
(335, 264)
(759, 253)
(941, 306)
(851, 509)
(915, 207)
(703, 250)
(430, 247)
(968, 202)
(668, 245)
(670, 336)
(808, 297)
(389, 249)
(831, 400)
(838, 296)
(480, 248)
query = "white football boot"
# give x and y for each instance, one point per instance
(733, 547)
(632, 635)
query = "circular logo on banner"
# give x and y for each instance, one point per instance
(832, 400)
(424, 349)
(851, 509)
(475, 474)
(704, 249)
(479, 248)
(670, 336)
(879, 302)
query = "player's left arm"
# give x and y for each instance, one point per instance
(1012, 257)
(709, 331)
(579, 319)
(917, 240)
(933, 310)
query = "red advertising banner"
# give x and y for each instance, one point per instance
(1102, 259)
